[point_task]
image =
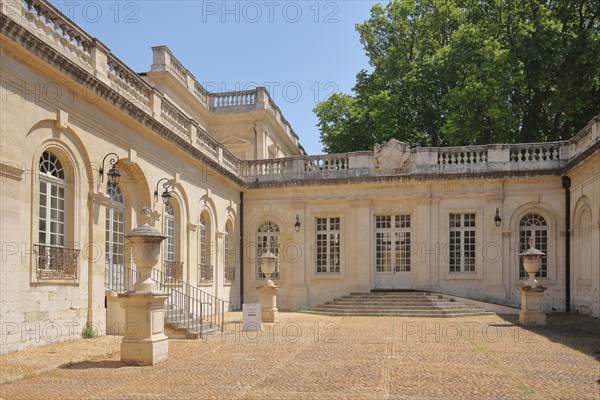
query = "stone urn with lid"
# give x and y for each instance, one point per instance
(268, 266)
(268, 292)
(147, 245)
(532, 295)
(532, 262)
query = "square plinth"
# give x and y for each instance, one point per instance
(268, 303)
(532, 306)
(145, 352)
(145, 342)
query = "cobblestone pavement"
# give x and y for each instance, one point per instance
(316, 357)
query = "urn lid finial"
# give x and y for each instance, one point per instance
(532, 251)
(145, 230)
(145, 215)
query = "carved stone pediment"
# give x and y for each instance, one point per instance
(391, 157)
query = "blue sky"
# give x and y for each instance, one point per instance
(302, 51)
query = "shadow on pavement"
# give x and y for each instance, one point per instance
(577, 331)
(93, 364)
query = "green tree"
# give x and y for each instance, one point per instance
(462, 72)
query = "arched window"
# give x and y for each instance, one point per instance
(114, 277)
(267, 239)
(169, 254)
(173, 269)
(205, 269)
(53, 189)
(203, 249)
(535, 226)
(54, 260)
(228, 254)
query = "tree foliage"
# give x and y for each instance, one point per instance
(463, 72)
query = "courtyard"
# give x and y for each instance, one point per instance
(306, 356)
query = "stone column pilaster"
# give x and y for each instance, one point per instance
(93, 260)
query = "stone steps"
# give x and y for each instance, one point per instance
(404, 303)
(381, 303)
(471, 313)
(180, 326)
(417, 296)
(391, 294)
(394, 306)
(393, 310)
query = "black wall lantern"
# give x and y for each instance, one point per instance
(297, 224)
(113, 174)
(166, 195)
(498, 218)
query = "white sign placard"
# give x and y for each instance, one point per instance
(252, 317)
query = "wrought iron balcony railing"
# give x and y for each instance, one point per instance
(173, 272)
(205, 274)
(229, 274)
(56, 262)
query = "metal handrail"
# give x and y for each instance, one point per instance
(119, 278)
(186, 305)
(189, 306)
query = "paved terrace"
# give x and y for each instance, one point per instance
(314, 357)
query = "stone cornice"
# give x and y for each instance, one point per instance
(405, 178)
(359, 171)
(43, 51)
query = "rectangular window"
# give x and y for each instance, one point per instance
(114, 277)
(328, 245)
(51, 214)
(392, 243)
(170, 240)
(226, 249)
(203, 252)
(462, 243)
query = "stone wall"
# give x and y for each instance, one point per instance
(585, 237)
(80, 127)
(496, 276)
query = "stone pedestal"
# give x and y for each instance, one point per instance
(145, 342)
(532, 309)
(115, 314)
(268, 302)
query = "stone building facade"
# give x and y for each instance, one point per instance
(451, 220)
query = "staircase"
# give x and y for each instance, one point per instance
(190, 312)
(181, 325)
(396, 303)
